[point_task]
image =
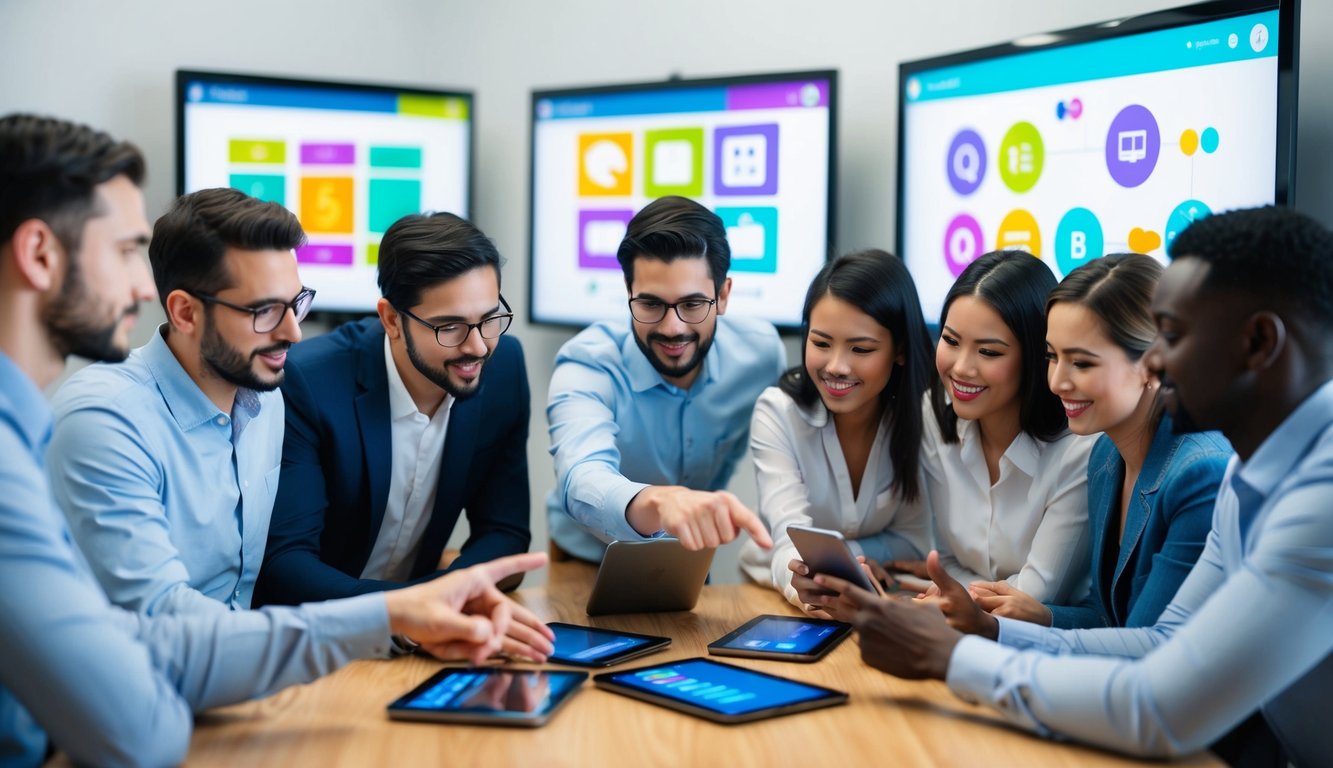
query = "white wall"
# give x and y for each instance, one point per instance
(111, 64)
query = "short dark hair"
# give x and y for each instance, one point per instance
(878, 284)
(190, 241)
(1277, 254)
(1015, 285)
(421, 251)
(671, 228)
(1118, 289)
(49, 170)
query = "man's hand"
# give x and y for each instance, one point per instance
(699, 519)
(463, 615)
(901, 637)
(1000, 598)
(953, 600)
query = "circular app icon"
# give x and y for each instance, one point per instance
(1019, 232)
(966, 162)
(1184, 215)
(1078, 240)
(1021, 156)
(962, 243)
(1209, 140)
(1132, 146)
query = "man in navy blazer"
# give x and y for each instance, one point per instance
(392, 432)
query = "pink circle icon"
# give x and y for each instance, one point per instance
(962, 243)
(1075, 109)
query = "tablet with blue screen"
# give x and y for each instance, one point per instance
(595, 647)
(489, 696)
(785, 638)
(719, 692)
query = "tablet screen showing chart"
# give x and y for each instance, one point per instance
(590, 646)
(706, 687)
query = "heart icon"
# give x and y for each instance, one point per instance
(1144, 240)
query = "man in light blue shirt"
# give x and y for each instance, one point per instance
(1245, 345)
(167, 464)
(108, 686)
(648, 421)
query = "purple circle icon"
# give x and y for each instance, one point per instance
(1132, 145)
(966, 164)
(962, 243)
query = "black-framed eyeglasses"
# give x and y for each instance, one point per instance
(692, 311)
(267, 317)
(454, 333)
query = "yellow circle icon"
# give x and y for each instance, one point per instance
(1189, 142)
(1019, 231)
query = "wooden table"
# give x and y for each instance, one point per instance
(340, 720)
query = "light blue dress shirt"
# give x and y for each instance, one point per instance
(618, 427)
(169, 497)
(114, 688)
(1252, 626)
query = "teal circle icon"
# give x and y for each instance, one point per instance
(1184, 215)
(1021, 157)
(1208, 140)
(1078, 240)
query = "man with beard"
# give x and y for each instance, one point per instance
(107, 686)
(396, 424)
(1245, 346)
(167, 464)
(648, 421)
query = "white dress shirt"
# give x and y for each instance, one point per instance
(1029, 528)
(803, 480)
(418, 445)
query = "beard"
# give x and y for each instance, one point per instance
(77, 322)
(234, 366)
(1182, 423)
(683, 368)
(440, 376)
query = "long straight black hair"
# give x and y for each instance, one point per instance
(878, 284)
(1015, 285)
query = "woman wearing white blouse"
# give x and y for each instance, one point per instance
(1005, 479)
(837, 443)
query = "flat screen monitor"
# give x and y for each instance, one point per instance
(757, 150)
(1106, 138)
(348, 160)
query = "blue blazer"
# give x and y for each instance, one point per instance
(336, 461)
(1167, 522)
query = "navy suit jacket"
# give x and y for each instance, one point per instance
(1169, 517)
(336, 460)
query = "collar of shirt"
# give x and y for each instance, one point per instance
(1023, 452)
(401, 404)
(22, 403)
(1288, 444)
(188, 404)
(643, 376)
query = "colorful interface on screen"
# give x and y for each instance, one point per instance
(348, 163)
(577, 644)
(1074, 152)
(756, 154)
(720, 688)
(785, 636)
(525, 692)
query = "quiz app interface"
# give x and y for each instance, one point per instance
(784, 636)
(717, 687)
(1075, 152)
(348, 163)
(755, 154)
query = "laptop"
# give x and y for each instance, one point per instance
(649, 576)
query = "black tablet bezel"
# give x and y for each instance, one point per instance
(656, 643)
(830, 697)
(398, 711)
(719, 646)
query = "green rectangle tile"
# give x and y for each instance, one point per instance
(446, 107)
(373, 254)
(395, 157)
(392, 199)
(256, 151)
(270, 188)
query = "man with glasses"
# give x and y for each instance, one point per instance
(648, 421)
(391, 432)
(167, 464)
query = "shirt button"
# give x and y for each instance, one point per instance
(222, 421)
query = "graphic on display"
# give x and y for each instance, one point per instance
(349, 161)
(755, 153)
(1080, 150)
